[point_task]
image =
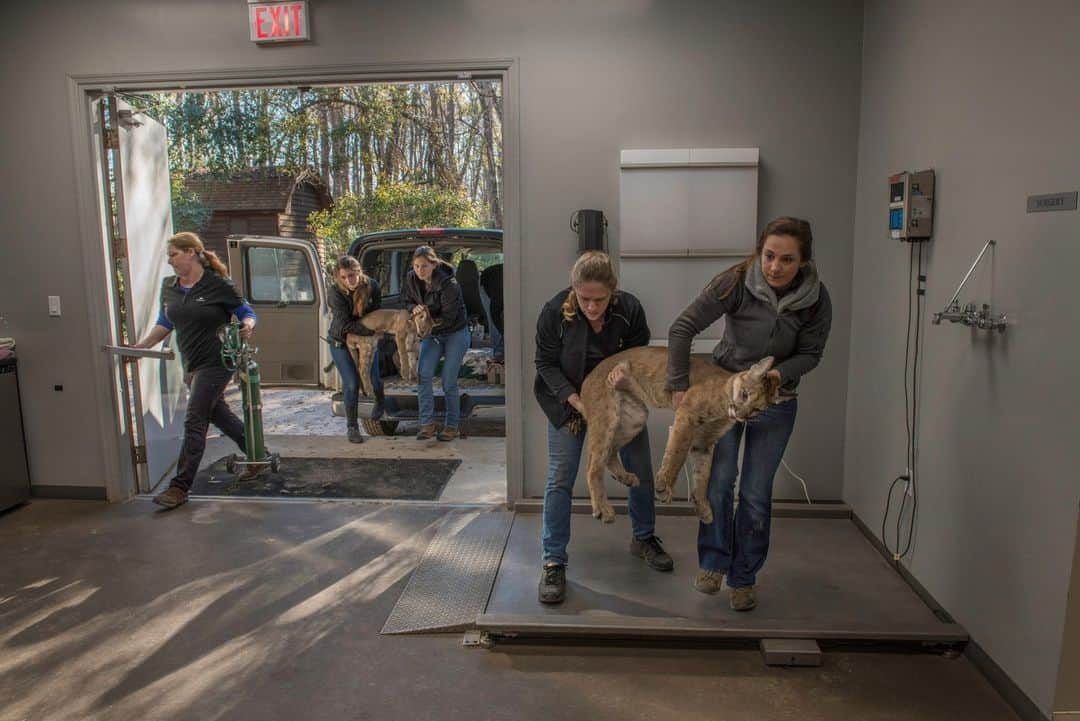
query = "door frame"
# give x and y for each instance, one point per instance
(120, 481)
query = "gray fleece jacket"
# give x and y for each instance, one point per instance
(792, 329)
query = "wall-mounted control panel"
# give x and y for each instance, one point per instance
(911, 206)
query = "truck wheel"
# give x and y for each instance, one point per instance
(379, 428)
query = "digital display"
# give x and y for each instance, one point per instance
(896, 219)
(896, 192)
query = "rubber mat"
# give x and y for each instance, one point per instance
(450, 587)
(385, 478)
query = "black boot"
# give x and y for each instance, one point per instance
(352, 422)
(378, 410)
(552, 587)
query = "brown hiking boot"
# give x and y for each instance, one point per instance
(653, 553)
(426, 432)
(449, 433)
(708, 581)
(171, 497)
(743, 599)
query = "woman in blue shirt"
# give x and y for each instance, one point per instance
(196, 303)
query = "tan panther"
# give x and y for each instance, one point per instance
(715, 400)
(407, 328)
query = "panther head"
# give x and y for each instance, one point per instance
(753, 390)
(420, 317)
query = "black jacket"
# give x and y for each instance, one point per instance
(561, 348)
(342, 319)
(198, 315)
(443, 299)
(491, 280)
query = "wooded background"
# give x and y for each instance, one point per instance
(392, 155)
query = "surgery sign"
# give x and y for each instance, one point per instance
(278, 22)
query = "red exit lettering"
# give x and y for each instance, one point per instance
(281, 21)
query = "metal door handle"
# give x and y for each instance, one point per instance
(129, 352)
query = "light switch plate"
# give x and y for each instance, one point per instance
(54, 306)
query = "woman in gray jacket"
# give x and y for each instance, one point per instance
(774, 305)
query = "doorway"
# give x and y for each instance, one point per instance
(134, 474)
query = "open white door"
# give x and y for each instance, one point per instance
(137, 149)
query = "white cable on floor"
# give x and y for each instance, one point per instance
(806, 492)
(690, 480)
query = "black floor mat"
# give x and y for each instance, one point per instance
(395, 478)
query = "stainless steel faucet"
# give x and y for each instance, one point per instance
(981, 318)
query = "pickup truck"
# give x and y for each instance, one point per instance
(285, 283)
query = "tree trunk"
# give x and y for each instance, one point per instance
(340, 161)
(491, 170)
(324, 142)
(367, 155)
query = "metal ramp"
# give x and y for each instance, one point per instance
(451, 585)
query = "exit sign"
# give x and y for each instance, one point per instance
(278, 22)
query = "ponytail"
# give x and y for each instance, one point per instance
(211, 260)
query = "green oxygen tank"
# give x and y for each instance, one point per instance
(239, 356)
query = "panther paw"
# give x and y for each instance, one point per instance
(663, 494)
(604, 513)
(704, 510)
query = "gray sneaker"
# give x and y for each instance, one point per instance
(171, 497)
(653, 553)
(743, 598)
(707, 581)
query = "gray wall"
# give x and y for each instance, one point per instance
(989, 99)
(1067, 700)
(595, 77)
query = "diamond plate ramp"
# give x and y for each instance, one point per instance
(450, 587)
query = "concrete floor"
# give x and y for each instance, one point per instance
(268, 610)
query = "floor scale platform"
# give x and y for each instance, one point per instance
(823, 580)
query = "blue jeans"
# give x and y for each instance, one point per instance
(564, 456)
(737, 546)
(451, 348)
(346, 367)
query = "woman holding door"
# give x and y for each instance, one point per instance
(196, 303)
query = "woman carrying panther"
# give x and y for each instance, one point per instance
(431, 283)
(774, 305)
(348, 276)
(581, 326)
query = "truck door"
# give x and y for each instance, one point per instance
(282, 280)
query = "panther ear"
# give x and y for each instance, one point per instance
(762, 366)
(772, 389)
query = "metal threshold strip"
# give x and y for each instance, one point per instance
(632, 627)
(365, 501)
